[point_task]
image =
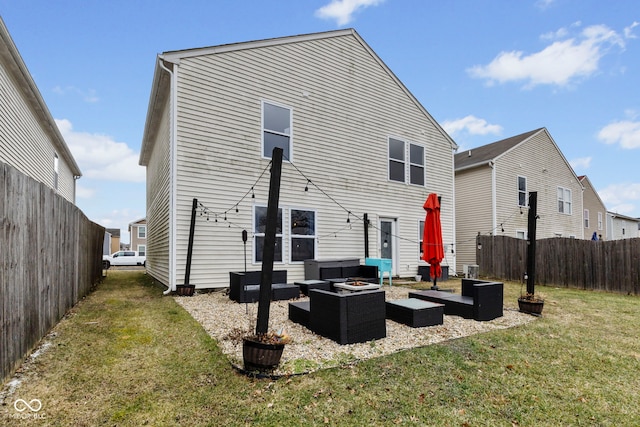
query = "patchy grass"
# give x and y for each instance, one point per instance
(127, 356)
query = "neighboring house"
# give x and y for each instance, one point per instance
(115, 240)
(106, 245)
(622, 226)
(594, 216)
(492, 187)
(138, 236)
(355, 141)
(29, 137)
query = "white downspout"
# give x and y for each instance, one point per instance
(172, 178)
(494, 212)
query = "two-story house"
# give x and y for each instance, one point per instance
(355, 142)
(138, 236)
(492, 187)
(622, 226)
(29, 137)
(594, 215)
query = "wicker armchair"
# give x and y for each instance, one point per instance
(348, 318)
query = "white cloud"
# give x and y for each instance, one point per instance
(628, 31)
(472, 124)
(623, 132)
(342, 10)
(544, 4)
(88, 95)
(621, 198)
(581, 163)
(560, 63)
(100, 157)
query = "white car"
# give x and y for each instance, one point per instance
(123, 258)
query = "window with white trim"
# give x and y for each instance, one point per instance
(142, 250)
(276, 129)
(522, 191)
(586, 218)
(521, 234)
(564, 200)
(599, 220)
(411, 172)
(302, 234)
(142, 232)
(259, 229)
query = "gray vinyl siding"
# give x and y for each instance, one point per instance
(474, 211)
(593, 203)
(24, 144)
(340, 133)
(545, 168)
(158, 202)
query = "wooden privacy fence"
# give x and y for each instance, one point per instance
(50, 257)
(572, 263)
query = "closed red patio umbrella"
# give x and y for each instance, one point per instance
(432, 248)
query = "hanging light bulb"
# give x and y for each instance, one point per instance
(253, 195)
(502, 228)
(306, 187)
(237, 209)
(348, 217)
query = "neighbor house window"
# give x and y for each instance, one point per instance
(303, 235)
(142, 232)
(586, 218)
(521, 235)
(399, 152)
(56, 167)
(259, 229)
(276, 129)
(522, 191)
(599, 220)
(142, 250)
(564, 200)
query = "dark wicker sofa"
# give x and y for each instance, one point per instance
(367, 273)
(245, 287)
(346, 318)
(480, 299)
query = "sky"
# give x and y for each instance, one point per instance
(484, 69)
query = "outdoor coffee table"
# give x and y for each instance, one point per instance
(305, 285)
(415, 312)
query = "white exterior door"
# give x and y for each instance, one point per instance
(389, 241)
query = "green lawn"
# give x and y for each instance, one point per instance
(128, 356)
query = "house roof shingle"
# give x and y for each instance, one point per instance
(482, 155)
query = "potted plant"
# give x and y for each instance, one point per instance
(531, 303)
(262, 352)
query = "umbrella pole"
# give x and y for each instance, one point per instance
(435, 284)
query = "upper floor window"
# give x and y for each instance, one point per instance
(599, 220)
(522, 191)
(303, 235)
(399, 152)
(276, 129)
(259, 229)
(564, 200)
(586, 218)
(142, 232)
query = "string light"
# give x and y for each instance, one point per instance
(306, 187)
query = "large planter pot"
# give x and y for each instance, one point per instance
(185, 290)
(530, 306)
(259, 356)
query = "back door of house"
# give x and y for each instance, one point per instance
(388, 241)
